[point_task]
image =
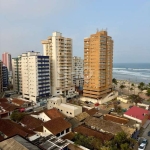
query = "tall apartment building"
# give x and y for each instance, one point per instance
(32, 74)
(17, 74)
(6, 59)
(5, 77)
(98, 60)
(77, 71)
(1, 77)
(59, 49)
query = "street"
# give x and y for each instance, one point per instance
(147, 137)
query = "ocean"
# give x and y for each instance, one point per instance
(134, 72)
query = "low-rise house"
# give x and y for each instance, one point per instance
(102, 125)
(115, 119)
(6, 109)
(46, 115)
(17, 142)
(82, 116)
(67, 109)
(138, 114)
(58, 127)
(2, 100)
(21, 103)
(90, 132)
(121, 120)
(92, 111)
(9, 128)
(30, 122)
(54, 143)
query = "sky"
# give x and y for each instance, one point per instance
(24, 23)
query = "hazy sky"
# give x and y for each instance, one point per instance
(24, 23)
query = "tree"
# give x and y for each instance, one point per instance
(17, 116)
(87, 141)
(131, 89)
(141, 86)
(148, 92)
(114, 81)
(122, 87)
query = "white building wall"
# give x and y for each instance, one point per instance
(67, 109)
(77, 71)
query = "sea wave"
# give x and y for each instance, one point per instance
(119, 68)
(127, 72)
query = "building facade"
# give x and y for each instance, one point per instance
(59, 49)
(1, 77)
(6, 59)
(5, 77)
(77, 71)
(98, 60)
(17, 74)
(35, 76)
(31, 76)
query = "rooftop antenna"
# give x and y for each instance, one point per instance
(97, 30)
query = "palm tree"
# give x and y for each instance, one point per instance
(131, 89)
(122, 87)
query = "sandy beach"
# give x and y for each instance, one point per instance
(128, 85)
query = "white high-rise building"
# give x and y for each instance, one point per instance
(77, 71)
(35, 76)
(59, 49)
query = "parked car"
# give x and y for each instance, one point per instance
(145, 141)
(130, 106)
(142, 146)
(148, 133)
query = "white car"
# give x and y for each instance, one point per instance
(142, 146)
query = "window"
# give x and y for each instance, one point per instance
(67, 130)
(62, 132)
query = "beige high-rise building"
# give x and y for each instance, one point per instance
(98, 61)
(1, 77)
(59, 49)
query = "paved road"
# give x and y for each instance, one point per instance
(147, 137)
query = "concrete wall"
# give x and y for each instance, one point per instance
(67, 109)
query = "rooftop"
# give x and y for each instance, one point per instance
(102, 125)
(53, 143)
(53, 113)
(6, 124)
(17, 142)
(82, 116)
(70, 106)
(31, 122)
(92, 111)
(90, 132)
(19, 101)
(137, 112)
(57, 125)
(8, 107)
(3, 100)
(115, 119)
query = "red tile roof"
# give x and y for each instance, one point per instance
(90, 132)
(3, 100)
(9, 107)
(115, 119)
(19, 102)
(31, 122)
(10, 128)
(53, 113)
(92, 111)
(57, 125)
(137, 112)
